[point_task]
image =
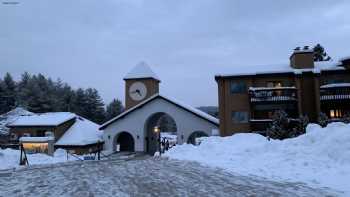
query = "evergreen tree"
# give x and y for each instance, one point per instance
(283, 127)
(8, 94)
(320, 54)
(95, 107)
(113, 109)
(80, 103)
(40, 94)
(23, 90)
(2, 97)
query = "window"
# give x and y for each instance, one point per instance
(240, 116)
(238, 87)
(274, 84)
(335, 113)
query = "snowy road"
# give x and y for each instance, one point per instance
(143, 176)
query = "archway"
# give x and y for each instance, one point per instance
(197, 134)
(165, 123)
(126, 142)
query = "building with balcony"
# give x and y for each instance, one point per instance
(248, 100)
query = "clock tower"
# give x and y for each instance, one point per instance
(140, 83)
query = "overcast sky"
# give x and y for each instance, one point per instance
(95, 43)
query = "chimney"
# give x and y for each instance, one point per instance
(302, 58)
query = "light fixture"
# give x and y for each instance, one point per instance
(156, 129)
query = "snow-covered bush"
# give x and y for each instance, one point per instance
(283, 127)
(323, 119)
(346, 118)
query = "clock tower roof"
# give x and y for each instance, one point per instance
(141, 71)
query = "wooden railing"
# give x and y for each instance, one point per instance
(274, 94)
(334, 93)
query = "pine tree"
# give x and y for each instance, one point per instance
(23, 90)
(95, 106)
(113, 109)
(2, 97)
(40, 94)
(9, 93)
(320, 54)
(79, 102)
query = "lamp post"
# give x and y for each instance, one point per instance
(157, 131)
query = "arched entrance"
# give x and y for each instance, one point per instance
(165, 123)
(125, 141)
(194, 135)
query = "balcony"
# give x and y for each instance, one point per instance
(272, 94)
(336, 91)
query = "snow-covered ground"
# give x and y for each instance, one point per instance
(319, 158)
(9, 158)
(143, 176)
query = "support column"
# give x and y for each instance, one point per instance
(317, 95)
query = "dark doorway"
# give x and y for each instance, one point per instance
(165, 123)
(126, 142)
(194, 135)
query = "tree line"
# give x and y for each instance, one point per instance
(40, 94)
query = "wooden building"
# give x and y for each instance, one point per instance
(249, 97)
(48, 131)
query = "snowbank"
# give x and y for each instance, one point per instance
(9, 158)
(321, 157)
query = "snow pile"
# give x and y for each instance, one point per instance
(82, 132)
(10, 117)
(321, 157)
(9, 158)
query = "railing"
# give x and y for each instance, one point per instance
(273, 94)
(334, 92)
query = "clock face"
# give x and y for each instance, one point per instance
(137, 91)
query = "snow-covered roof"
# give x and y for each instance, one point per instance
(82, 132)
(336, 85)
(344, 58)
(36, 139)
(177, 103)
(281, 68)
(44, 119)
(141, 70)
(10, 117)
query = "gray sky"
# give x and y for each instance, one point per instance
(95, 43)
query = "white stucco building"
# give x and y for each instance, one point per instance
(133, 130)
